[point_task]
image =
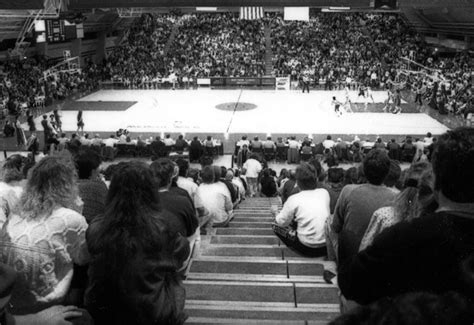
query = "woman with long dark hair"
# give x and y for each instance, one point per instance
(133, 275)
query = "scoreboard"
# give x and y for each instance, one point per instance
(57, 31)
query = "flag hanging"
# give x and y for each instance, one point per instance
(250, 13)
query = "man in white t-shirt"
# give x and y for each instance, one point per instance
(252, 168)
(304, 213)
(329, 143)
(215, 198)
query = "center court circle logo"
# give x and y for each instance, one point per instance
(240, 106)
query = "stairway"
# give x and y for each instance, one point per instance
(268, 51)
(243, 274)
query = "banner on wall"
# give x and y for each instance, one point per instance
(282, 83)
(296, 13)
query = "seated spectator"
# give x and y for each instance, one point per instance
(433, 246)
(92, 189)
(215, 197)
(96, 141)
(237, 181)
(168, 141)
(269, 144)
(133, 275)
(334, 185)
(234, 194)
(157, 149)
(256, 145)
(45, 229)
(393, 150)
(416, 199)
(391, 180)
(300, 223)
(183, 181)
(12, 183)
(408, 150)
(268, 186)
(329, 143)
(289, 186)
(183, 218)
(180, 143)
(195, 150)
(357, 203)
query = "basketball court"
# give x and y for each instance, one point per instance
(206, 111)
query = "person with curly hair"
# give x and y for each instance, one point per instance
(44, 236)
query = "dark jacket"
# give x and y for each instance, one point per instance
(423, 255)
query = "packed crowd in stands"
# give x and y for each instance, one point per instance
(141, 58)
(208, 45)
(81, 243)
(332, 48)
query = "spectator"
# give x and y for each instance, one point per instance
(180, 144)
(45, 229)
(289, 186)
(12, 184)
(267, 184)
(183, 181)
(243, 155)
(92, 189)
(439, 241)
(195, 150)
(308, 210)
(415, 200)
(252, 168)
(334, 185)
(215, 197)
(393, 150)
(393, 176)
(234, 194)
(357, 203)
(133, 275)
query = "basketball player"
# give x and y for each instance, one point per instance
(368, 95)
(347, 104)
(361, 91)
(305, 81)
(337, 104)
(397, 102)
(388, 101)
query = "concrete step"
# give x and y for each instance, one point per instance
(242, 214)
(238, 218)
(246, 240)
(237, 321)
(317, 315)
(245, 231)
(254, 225)
(271, 271)
(244, 250)
(239, 291)
(258, 314)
